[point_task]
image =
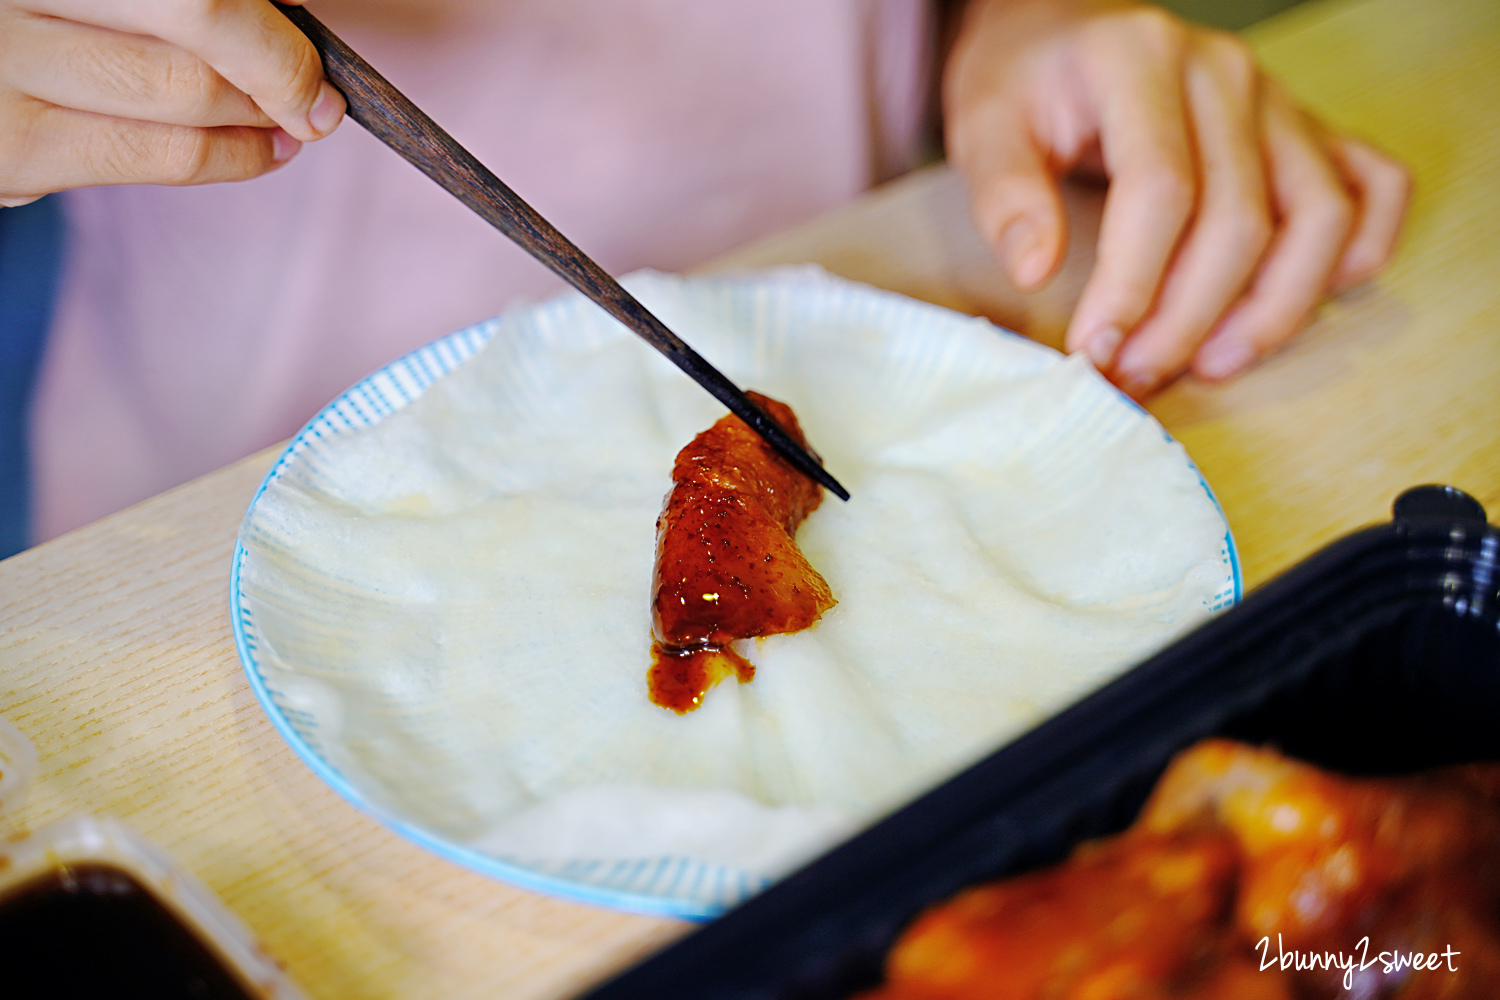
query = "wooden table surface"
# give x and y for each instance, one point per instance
(115, 651)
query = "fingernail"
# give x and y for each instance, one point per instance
(1136, 378)
(1223, 357)
(1101, 347)
(1021, 250)
(325, 114)
(283, 146)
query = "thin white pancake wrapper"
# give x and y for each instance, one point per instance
(454, 602)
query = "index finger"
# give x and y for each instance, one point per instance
(249, 42)
(1152, 179)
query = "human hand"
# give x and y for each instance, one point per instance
(123, 92)
(1230, 212)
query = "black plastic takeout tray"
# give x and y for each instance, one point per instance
(1378, 654)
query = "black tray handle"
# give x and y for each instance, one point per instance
(1434, 500)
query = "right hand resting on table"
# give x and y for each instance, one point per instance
(162, 92)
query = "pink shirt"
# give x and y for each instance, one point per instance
(196, 325)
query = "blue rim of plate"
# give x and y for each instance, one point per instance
(371, 400)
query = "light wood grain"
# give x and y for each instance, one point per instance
(116, 656)
(119, 664)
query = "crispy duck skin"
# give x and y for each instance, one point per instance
(727, 562)
(1238, 844)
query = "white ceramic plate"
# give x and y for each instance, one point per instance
(440, 593)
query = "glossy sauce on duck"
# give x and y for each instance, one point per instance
(727, 562)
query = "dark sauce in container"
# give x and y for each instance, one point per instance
(90, 930)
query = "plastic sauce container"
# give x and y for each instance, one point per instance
(88, 908)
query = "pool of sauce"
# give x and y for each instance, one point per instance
(679, 678)
(91, 931)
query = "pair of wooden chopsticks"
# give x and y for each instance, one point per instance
(401, 125)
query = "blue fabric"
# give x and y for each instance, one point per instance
(31, 244)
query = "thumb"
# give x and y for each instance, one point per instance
(1016, 201)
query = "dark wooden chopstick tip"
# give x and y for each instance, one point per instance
(810, 467)
(802, 457)
(833, 486)
(804, 461)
